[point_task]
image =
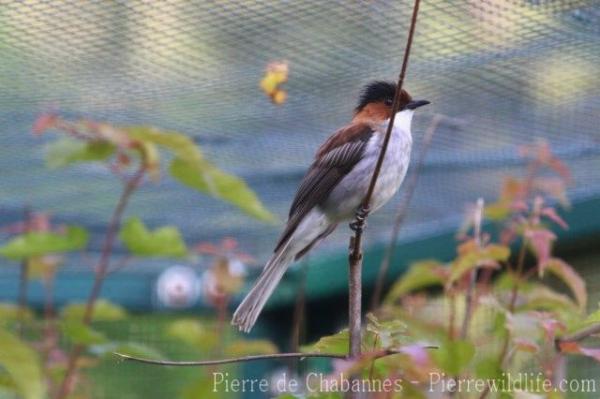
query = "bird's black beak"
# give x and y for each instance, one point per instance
(416, 104)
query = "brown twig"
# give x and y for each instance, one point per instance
(272, 356)
(355, 257)
(299, 317)
(101, 271)
(228, 361)
(580, 335)
(411, 186)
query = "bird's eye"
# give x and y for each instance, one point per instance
(388, 102)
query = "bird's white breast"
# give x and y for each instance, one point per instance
(349, 193)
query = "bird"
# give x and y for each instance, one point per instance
(336, 183)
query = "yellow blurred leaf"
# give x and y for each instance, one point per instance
(151, 159)
(279, 97)
(275, 75)
(42, 267)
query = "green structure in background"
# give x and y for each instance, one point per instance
(502, 75)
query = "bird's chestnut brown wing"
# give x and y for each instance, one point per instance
(336, 157)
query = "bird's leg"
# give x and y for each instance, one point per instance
(359, 223)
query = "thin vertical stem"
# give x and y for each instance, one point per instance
(101, 271)
(109, 241)
(354, 307)
(299, 318)
(355, 257)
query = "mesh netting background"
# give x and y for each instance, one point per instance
(505, 73)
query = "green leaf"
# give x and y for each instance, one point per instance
(453, 356)
(42, 243)
(420, 275)
(179, 144)
(163, 242)
(151, 159)
(243, 347)
(103, 311)
(336, 344)
(570, 277)
(194, 333)
(489, 368)
(8, 388)
(66, 151)
(10, 312)
(208, 179)
(541, 297)
(81, 334)
(593, 318)
(474, 257)
(191, 168)
(385, 333)
(23, 365)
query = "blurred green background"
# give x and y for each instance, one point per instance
(502, 73)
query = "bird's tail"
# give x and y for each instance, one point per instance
(247, 312)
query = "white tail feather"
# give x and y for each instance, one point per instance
(247, 312)
(310, 229)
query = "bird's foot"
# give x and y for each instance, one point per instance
(360, 223)
(363, 212)
(357, 226)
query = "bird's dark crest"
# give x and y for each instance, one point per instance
(380, 91)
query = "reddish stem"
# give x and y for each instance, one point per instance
(101, 271)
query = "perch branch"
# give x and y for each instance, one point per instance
(299, 355)
(227, 361)
(355, 257)
(402, 211)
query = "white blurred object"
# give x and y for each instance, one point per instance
(215, 282)
(178, 287)
(237, 268)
